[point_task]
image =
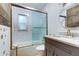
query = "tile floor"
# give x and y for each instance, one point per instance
(28, 51)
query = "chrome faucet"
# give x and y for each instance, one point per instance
(69, 33)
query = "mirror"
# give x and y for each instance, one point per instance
(72, 19)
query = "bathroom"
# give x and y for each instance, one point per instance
(35, 29)
(33, 25)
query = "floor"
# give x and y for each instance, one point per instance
(28, 51)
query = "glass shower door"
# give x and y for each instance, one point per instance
(38, 27)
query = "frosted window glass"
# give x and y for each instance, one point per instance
(22, 22)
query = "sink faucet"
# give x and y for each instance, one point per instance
(69, 33)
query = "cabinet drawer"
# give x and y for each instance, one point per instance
(49, 50)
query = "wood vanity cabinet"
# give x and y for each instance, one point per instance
(59, 52)
(49, 50)
(56, 48)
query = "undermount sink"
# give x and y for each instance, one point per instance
(68, 37)
(63, 36)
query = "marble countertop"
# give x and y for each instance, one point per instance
(73, 41)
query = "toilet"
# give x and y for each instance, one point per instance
(40, 47)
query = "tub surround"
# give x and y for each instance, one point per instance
(61, 46)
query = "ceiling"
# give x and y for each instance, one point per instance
(39, 6)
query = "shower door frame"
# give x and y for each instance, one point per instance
(31, 10)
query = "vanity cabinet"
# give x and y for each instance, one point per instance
(52, 50)
(56, 48)
(49, 50)
(4, 40)
(59, 52)
(75, 51)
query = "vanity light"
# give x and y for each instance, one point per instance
(62, 16)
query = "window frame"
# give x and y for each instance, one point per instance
(26, 25)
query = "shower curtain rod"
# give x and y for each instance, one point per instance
(27, 8)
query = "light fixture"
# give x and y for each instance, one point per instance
(62, 16)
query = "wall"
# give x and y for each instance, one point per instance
(74, 30)
(6, 11)
(21, 36)
(54, 25)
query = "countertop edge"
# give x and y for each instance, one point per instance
(63, 41)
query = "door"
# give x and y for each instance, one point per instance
(21, 26)
(38, 27)
(59, 52)
(49, 49)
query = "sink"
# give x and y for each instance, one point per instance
(63, 36)
(69, 37)
(66, 37)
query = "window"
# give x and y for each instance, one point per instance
(22, 22)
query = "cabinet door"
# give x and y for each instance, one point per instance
(75, 51)
(59, 52)
(49, 50)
